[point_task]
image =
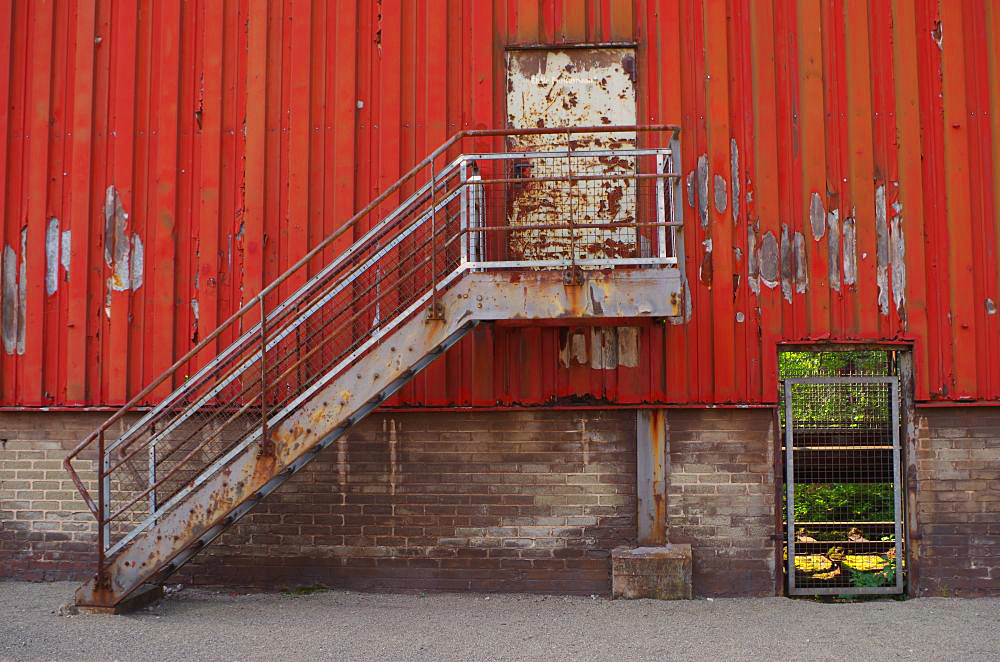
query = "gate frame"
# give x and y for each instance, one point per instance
(895, 417)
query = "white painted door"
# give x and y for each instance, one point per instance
(572, 88)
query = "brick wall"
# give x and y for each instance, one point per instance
(525, 501)
(721, 498)
(958, 501)
(521, 501)
(46, 531)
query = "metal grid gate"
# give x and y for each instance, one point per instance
(842, 464)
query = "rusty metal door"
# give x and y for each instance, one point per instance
(572, 88)
(844, 522)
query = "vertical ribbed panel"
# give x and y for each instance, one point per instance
(164, 160)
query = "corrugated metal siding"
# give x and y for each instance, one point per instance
(843, 160)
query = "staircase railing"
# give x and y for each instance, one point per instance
(587, 197)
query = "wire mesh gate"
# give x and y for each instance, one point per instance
(842, 476)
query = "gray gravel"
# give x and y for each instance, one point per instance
(198, 624)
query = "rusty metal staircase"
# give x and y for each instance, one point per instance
(546, 224)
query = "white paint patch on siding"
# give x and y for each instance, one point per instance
(22, 293)
(137, 263)
(703, 190)
(628, 346)
(734, 162)
(753, 261)
(801, 263)
(817, 216)
(65, 247)
(850, 250)
(897, 260)
(769, 263)
(881, 250)
(721, 192)
(52, 256)
(11, 305)
(786, 264)
(833, 247)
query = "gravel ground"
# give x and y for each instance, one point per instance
(198, 624)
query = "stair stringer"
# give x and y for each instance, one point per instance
(255, 469)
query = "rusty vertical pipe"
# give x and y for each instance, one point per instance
(651, 476)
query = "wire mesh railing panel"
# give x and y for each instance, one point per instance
(843, 519)
(451, 213)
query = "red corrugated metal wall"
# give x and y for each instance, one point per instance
(164, 159)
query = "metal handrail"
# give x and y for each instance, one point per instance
(262, 334)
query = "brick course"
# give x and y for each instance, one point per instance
(721, 499)
(958, 501)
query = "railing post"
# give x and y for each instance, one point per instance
(264, 441)
(103, 507)
(463, 222)
(661, 207)
(434, 312)
(676, 200)
(152, 473)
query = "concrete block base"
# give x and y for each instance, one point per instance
(661, 573)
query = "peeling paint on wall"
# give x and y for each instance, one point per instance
(801, 263)
(734, 163)
(628, 346)
(833, 247)
(122, 254)
(786, 264)
(850, 250)
(897, 260)
(116, 243)
(22, 293)
(991, 308)
(11, 304)
(196, 316)
(881, 250)
(603, 348)
(137, 263)
(52, 256)
(817, 216)
(721, 192)
(67, 240)
(573, 350)
(610, 347)
(703, 190)
(768, 260)
(705, 269)
(753, 279)
(690, 189)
